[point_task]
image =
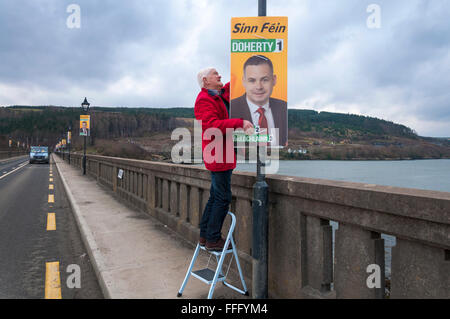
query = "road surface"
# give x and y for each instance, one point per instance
(41, 252)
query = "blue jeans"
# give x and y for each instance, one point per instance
(217, 207)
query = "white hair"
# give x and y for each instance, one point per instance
(203, 74)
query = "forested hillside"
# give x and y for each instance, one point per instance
(145, 132)
(46, 125)
(120, 122)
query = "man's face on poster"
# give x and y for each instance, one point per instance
(259, 81)
(84, 124)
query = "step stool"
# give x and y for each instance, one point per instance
(210, 276)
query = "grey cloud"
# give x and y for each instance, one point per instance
(396, 72)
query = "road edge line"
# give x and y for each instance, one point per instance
(16, 169)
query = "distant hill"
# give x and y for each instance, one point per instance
(47, 124)
(338, 125)
(320, 135)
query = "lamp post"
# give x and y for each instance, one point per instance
(85, 107)
(260, 216)
(69, 138)
(62, 145)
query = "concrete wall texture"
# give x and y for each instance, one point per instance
(304, 261)
(9, 154)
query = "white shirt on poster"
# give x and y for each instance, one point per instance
(270, 122)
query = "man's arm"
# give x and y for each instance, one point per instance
(207, 112)
(226, 92)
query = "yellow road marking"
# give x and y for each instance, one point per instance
(50, 180)
(52, 281)
(51, 174)
(51, 198)
(51, 221)
(50, 186)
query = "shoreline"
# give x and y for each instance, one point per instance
(364, 159)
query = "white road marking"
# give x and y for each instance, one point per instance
(24, 164)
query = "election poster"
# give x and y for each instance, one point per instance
(85, 125)
(259, 75)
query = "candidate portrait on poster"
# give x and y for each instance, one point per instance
(256, 104)
(85, 125)
(259, 75)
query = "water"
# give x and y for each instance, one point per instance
(421, 174)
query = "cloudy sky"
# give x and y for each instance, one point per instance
(146, 53)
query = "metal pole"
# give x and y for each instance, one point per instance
(262, 8)
(84, 157)
(69, 142)
(260, 217)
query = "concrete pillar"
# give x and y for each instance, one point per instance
(419, 271)
(114, 178)
(145, 187)
(173, 205)
(356, 249)
(158, 192)
(194, 210)
(139, 185)
(318, 254)
(184, 202)
(284, 249)
(151, 191)
(165, 195)
(243, 213)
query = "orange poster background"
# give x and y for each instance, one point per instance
(87, 119)
(279, 59)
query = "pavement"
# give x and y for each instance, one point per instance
(134, 255)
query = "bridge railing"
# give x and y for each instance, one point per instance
(326, 238)
(9, 154)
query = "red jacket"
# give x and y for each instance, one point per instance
(211, 111)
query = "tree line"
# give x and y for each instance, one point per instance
(46, 124)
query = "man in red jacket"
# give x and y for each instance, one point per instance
(212, 110)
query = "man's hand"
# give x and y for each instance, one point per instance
(248, 127)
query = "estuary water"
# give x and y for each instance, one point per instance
(421, 174)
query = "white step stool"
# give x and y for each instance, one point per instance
(211, 277)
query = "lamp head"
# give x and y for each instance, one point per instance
(85, 105)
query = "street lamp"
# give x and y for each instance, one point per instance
(85, 107)
(62, 145)
(69, 138)
(260, 233)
